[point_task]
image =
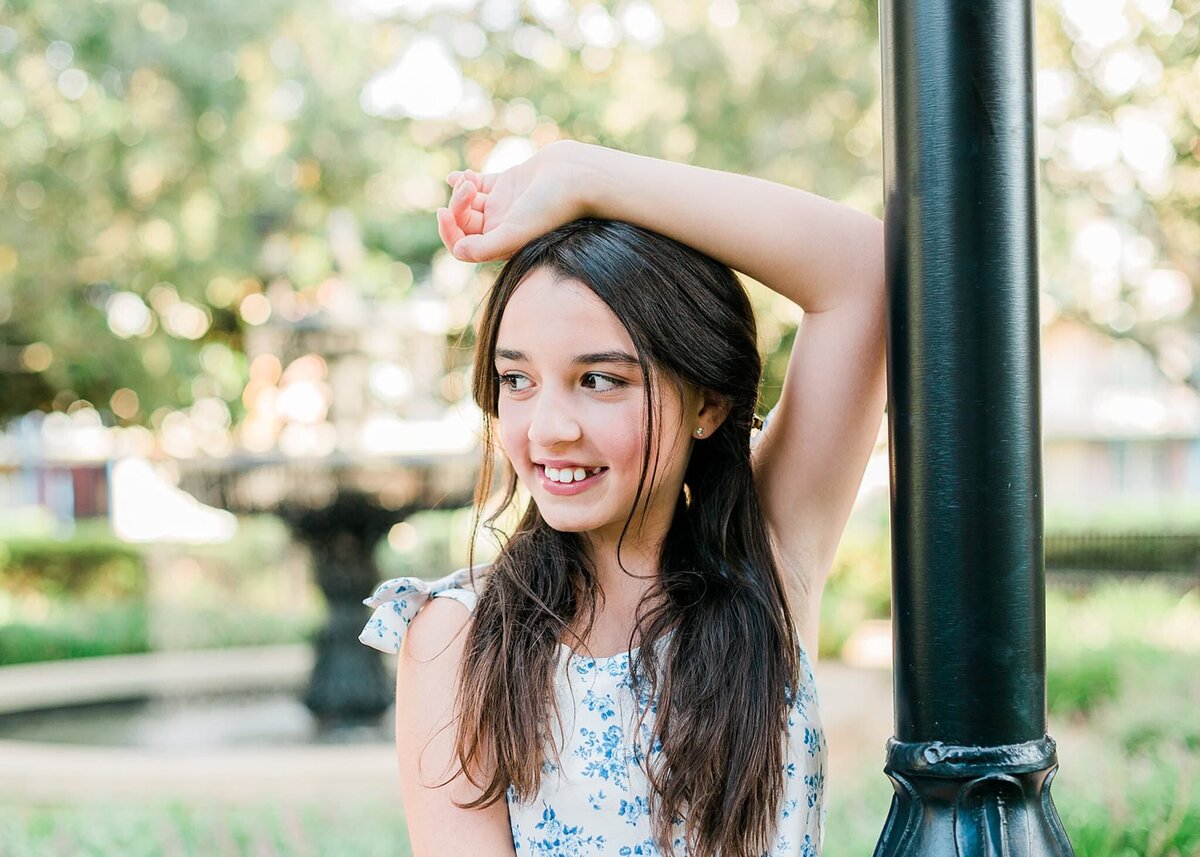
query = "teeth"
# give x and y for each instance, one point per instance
(568, 475)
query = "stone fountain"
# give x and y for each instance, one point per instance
(343, 439)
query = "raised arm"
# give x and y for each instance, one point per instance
(813, 251)
(823, 256)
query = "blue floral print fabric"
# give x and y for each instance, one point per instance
(596, 802)
(397, 601)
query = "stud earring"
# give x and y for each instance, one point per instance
(700, 432)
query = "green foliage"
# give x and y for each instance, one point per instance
(206, 153)
(71, 598)
(859, 585)
(1122, 640)
(150, 829)
(1116, 220)
(1111, 804)
(1128, 783)
(72, 628)
(1078, 682)
(204, 150)
(858, 807)
(90, 564)
(87, 595)
(208, 627)
(81, 629)
(1129, 551)
(181, 172)
(859, 588)
(1117, 803)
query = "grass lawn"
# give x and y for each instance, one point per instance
(1141, 807)
(174, 830)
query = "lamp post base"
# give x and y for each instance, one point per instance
(954, 801)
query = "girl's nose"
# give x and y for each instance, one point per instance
(552, 424)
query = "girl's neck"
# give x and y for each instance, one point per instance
(624, 588)
(623, 592)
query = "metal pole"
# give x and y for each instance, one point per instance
(971, 762)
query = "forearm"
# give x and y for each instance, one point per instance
(813, 251)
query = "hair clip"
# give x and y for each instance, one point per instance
(756, 423)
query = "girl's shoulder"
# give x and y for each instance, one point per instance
(398, 600)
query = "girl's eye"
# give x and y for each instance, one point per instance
(592, 381)
(510, 380)
(613, 383)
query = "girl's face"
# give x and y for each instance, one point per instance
(572, 396)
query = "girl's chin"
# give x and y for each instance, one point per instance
(556, 520)
(565, 520)
(567, 528)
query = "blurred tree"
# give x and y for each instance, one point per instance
(160, 167)
(174, 174)
(166, 163)
(1119, 137)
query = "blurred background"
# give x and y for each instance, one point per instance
(233, 385)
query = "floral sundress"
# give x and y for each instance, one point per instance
(596, 803)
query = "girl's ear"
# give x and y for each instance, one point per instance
(713, 411)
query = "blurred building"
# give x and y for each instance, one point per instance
(1114, 427)
(1112, 423)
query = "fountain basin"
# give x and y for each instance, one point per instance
(258, 742)
(80, 681)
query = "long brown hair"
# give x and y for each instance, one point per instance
(720, 680)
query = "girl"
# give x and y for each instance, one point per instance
(632, 674)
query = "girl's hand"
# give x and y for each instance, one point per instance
(492, 215)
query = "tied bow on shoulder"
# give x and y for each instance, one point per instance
(397, 602)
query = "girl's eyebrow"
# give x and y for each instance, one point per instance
(622, 357)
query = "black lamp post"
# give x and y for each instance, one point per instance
(971, 761)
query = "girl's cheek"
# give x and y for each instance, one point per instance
(506, 435)
(626, 441)
(509, 442)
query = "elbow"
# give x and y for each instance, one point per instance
(871, 278)
(875, 258)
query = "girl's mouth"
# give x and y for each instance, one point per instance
(567, 488)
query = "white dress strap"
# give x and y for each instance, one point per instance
(397, 601)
